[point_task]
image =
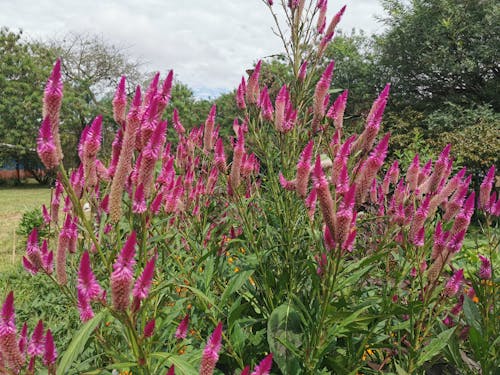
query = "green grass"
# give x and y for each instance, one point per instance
(14, 201)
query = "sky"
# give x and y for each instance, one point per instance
(208, 43)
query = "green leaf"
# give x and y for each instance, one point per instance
(400, 370)
(472, 315)
(182, 366)
(77, 345)
(435, 346)
(234, 285)
(284, 327)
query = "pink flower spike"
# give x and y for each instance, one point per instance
(453, 285)
(485, 269)
(179, 128)
(303, 71)
(264, 367)
(252, 93)
(304, 169)
(181, 331)
(149, 328)
(50, 355)
(139, 205)
(23, 338)
(211, 352)
(485, 189)
(144, 281)
(246, 371)
(336, 111)
(84, 307)
(240, 94)
(122, 276)
(36, 344)
(120, 102)
(8, 314)
(165, 94)
(285, 184)
(46, 148)
(208, 142)
(87, 282)
(320, 93)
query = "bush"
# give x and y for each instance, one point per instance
(297, 257)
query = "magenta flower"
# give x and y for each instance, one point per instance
(120, 102)
(123, 274)
(321, 23)
(336, 111)
(50, 355)
(181, 331)
(52, 99)
(87, 282)
(324, 196)
(139, 204)
(149, 328)
(265, 105)
(320, 93)
(485, 189)
(163, 97)
(150, 155)
(485, 269)
(46, 148)
(211, 352)
(36, 344)
(240, 94)
(264, 367)
(454, 282)
(144, 281)
(304, 169)
(279, 108)
(84, 307)
(9, 347)
(208, 141)
(171, 370)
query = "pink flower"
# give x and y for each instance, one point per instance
(265, 105)
(84, 307)
(320, 93)
(240, 94)
(36, 344)
(485, 189)
(46, 147)
(264, 367)
(163, 97)
(87, 282)
(321, 23)
(336, 111)
(181, 331)
(171, 370)
(279, 108)
(123, 274)
(304, 169)
(139, 205)
(208, 141)
(52, 100)
(144, 281)
(120, 102)
(50, 355)
(211, 352)
(252, 93)
(485, 269)
(239, 150)
(149, 328)
(9, 347)
(324, 196)
(454, 282)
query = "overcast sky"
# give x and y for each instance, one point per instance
(208, 43)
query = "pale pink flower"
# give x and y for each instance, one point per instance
(485, 189)
(336, 111)
(239, 151)
(252, 92)
(280, 107)
(321, 23)
(324, 196)
(320, 93)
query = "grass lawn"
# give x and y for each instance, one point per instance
(14, 201)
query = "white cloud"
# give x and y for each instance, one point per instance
(208, 43)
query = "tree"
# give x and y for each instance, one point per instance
(436, 51)
(24, 68)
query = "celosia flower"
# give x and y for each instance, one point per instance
(144, 281)
(324, 196)
(171, 370)
(265, 105)
(320, 93)
(120, 102)
(252, 92)
(9, 347)
(239, 151)
(336, 111)
(264, 367)
(123, 274)
(210, 354)
(149, 328)
(208, 141)
(84, 307)
(163, 97)
(50, 355)
(321, 23)
(485, 189)
(304, 169)
(279, 108)
(240, 94)
(149, 156)
(139, 204)
(52, 99)
(181, 331)
(87, 282)
(454, 282)
(124, 162)
(485, 269)
(36, 344)
(46, 147)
